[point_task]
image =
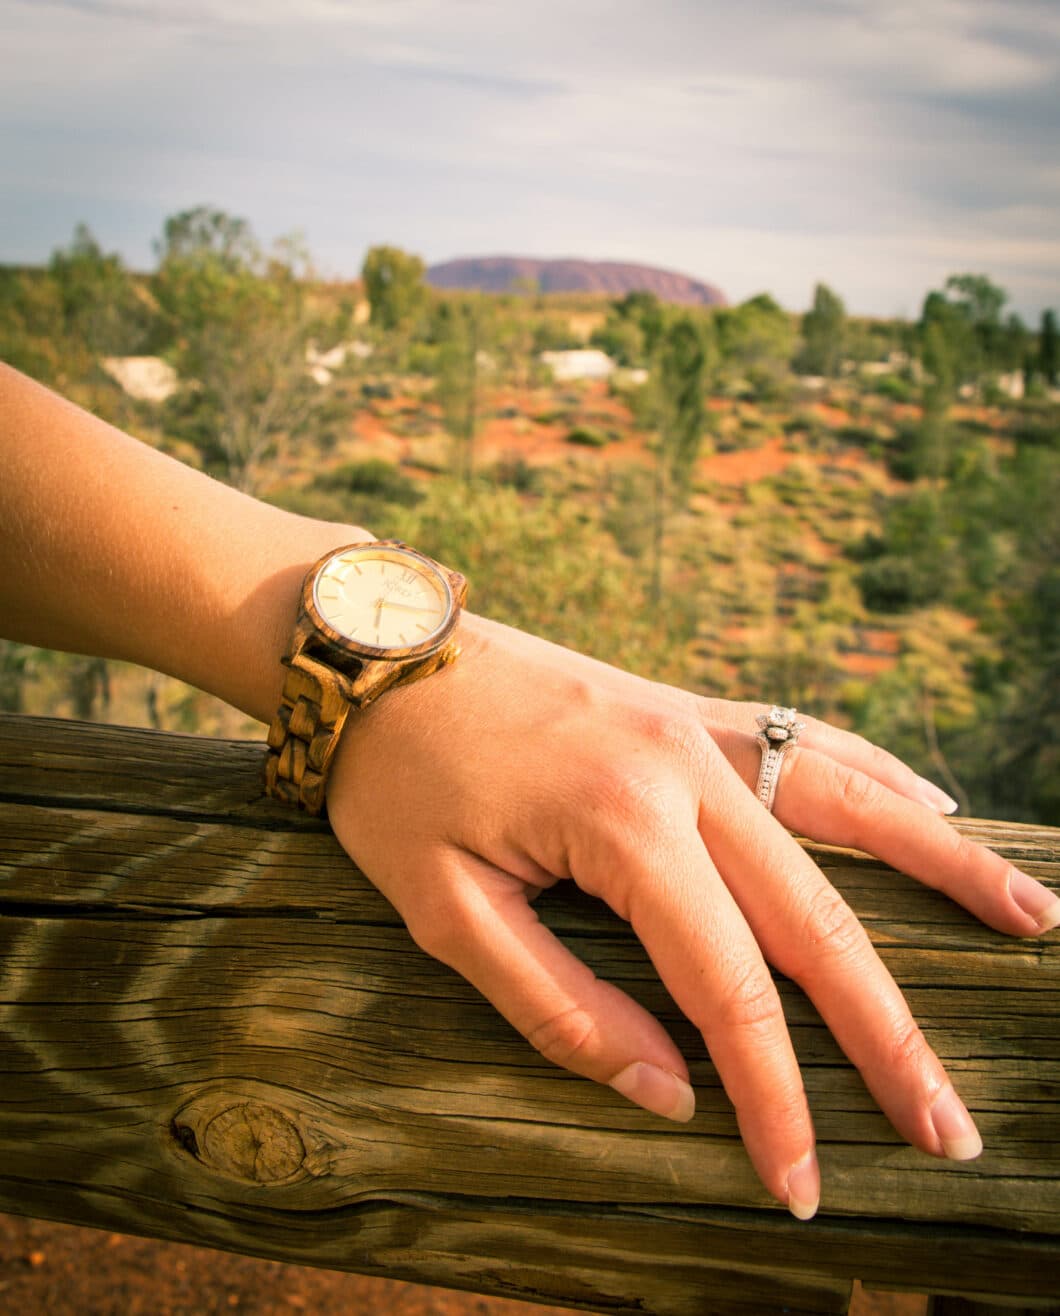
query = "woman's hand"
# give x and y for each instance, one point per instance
(465, 795)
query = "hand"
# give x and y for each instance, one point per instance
(465, 795)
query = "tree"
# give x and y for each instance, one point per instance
(678, 388)
(240, 321)
(205, 237)
(1015, 347)
(968, 313)
(633, 329)
(32, 326)
(979, 300)
(393, 282)
(682, 365)
(460, 330)
(823, 332)
(100, 304)
(756, 340)
(1049, 350)
(932, 447)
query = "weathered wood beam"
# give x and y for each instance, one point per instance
(214, 1029)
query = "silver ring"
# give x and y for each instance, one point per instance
(779, 730)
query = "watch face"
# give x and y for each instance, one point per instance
(384, 597)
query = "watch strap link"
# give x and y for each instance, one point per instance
(314, 704)
(304, 734)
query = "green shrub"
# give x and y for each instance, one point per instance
(515, 472)
(374, 478)
(895, 387)
(588, 436)
(895, 584)
(1038, 432)
(862, 436)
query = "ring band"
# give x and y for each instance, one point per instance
(778, 730)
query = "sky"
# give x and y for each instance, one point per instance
(761, 145)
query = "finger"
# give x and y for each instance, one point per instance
(840, 806)
(856, 752)
(809, 932)
(733, 728)
(482, 926)
(712, 966)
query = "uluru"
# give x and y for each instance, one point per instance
(607, 277)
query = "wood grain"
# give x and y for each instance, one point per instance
(214, 1029)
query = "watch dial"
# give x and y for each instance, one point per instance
(383, 597)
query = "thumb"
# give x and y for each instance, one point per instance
(489, 933)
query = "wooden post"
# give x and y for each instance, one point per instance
(213, 1029)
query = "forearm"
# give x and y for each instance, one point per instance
(109, 547)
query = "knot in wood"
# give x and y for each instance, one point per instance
(252, 1141)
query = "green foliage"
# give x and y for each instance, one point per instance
(1038, 425)
(56, 324)
(393, 283)
(622, 340)
(894, 388)
(240, 322)
(17, 663)
(634, 329)
(908, 567)
(1048, 363)
(588, 436)
(515, 472)
(203, 236)
(553, 335)
(571, 587)
(31, 324)
(99, 301)
(1028, 731)
(683, 364)
(755, 342)
(978, 300)
(823, 331)
(460, 328)
(961, 333)
(374, 478)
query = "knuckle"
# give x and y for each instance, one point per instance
(565, 1038)
(965, 851)
(830, 926)
(677, 733)
(431, 934)
(879, 758)
(441, 927)
(641, 802)
(858, 793)
(906, 1048)
(748, 1003)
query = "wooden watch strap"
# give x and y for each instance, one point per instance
(304, 734)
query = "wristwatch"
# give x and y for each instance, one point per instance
(372, 616)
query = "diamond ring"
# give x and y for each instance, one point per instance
(778, 730)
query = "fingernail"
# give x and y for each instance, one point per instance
(959, 1137)
(1035, 900)
(657, 1090)
(804, 1187)
(936, 799)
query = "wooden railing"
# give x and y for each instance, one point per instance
(213, 1029)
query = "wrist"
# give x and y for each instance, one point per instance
(372, 616)
(244, 664)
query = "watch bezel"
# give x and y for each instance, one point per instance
(393, 653)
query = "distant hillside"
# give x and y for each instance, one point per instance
(612, 278)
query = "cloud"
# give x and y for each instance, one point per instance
(657, 131)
